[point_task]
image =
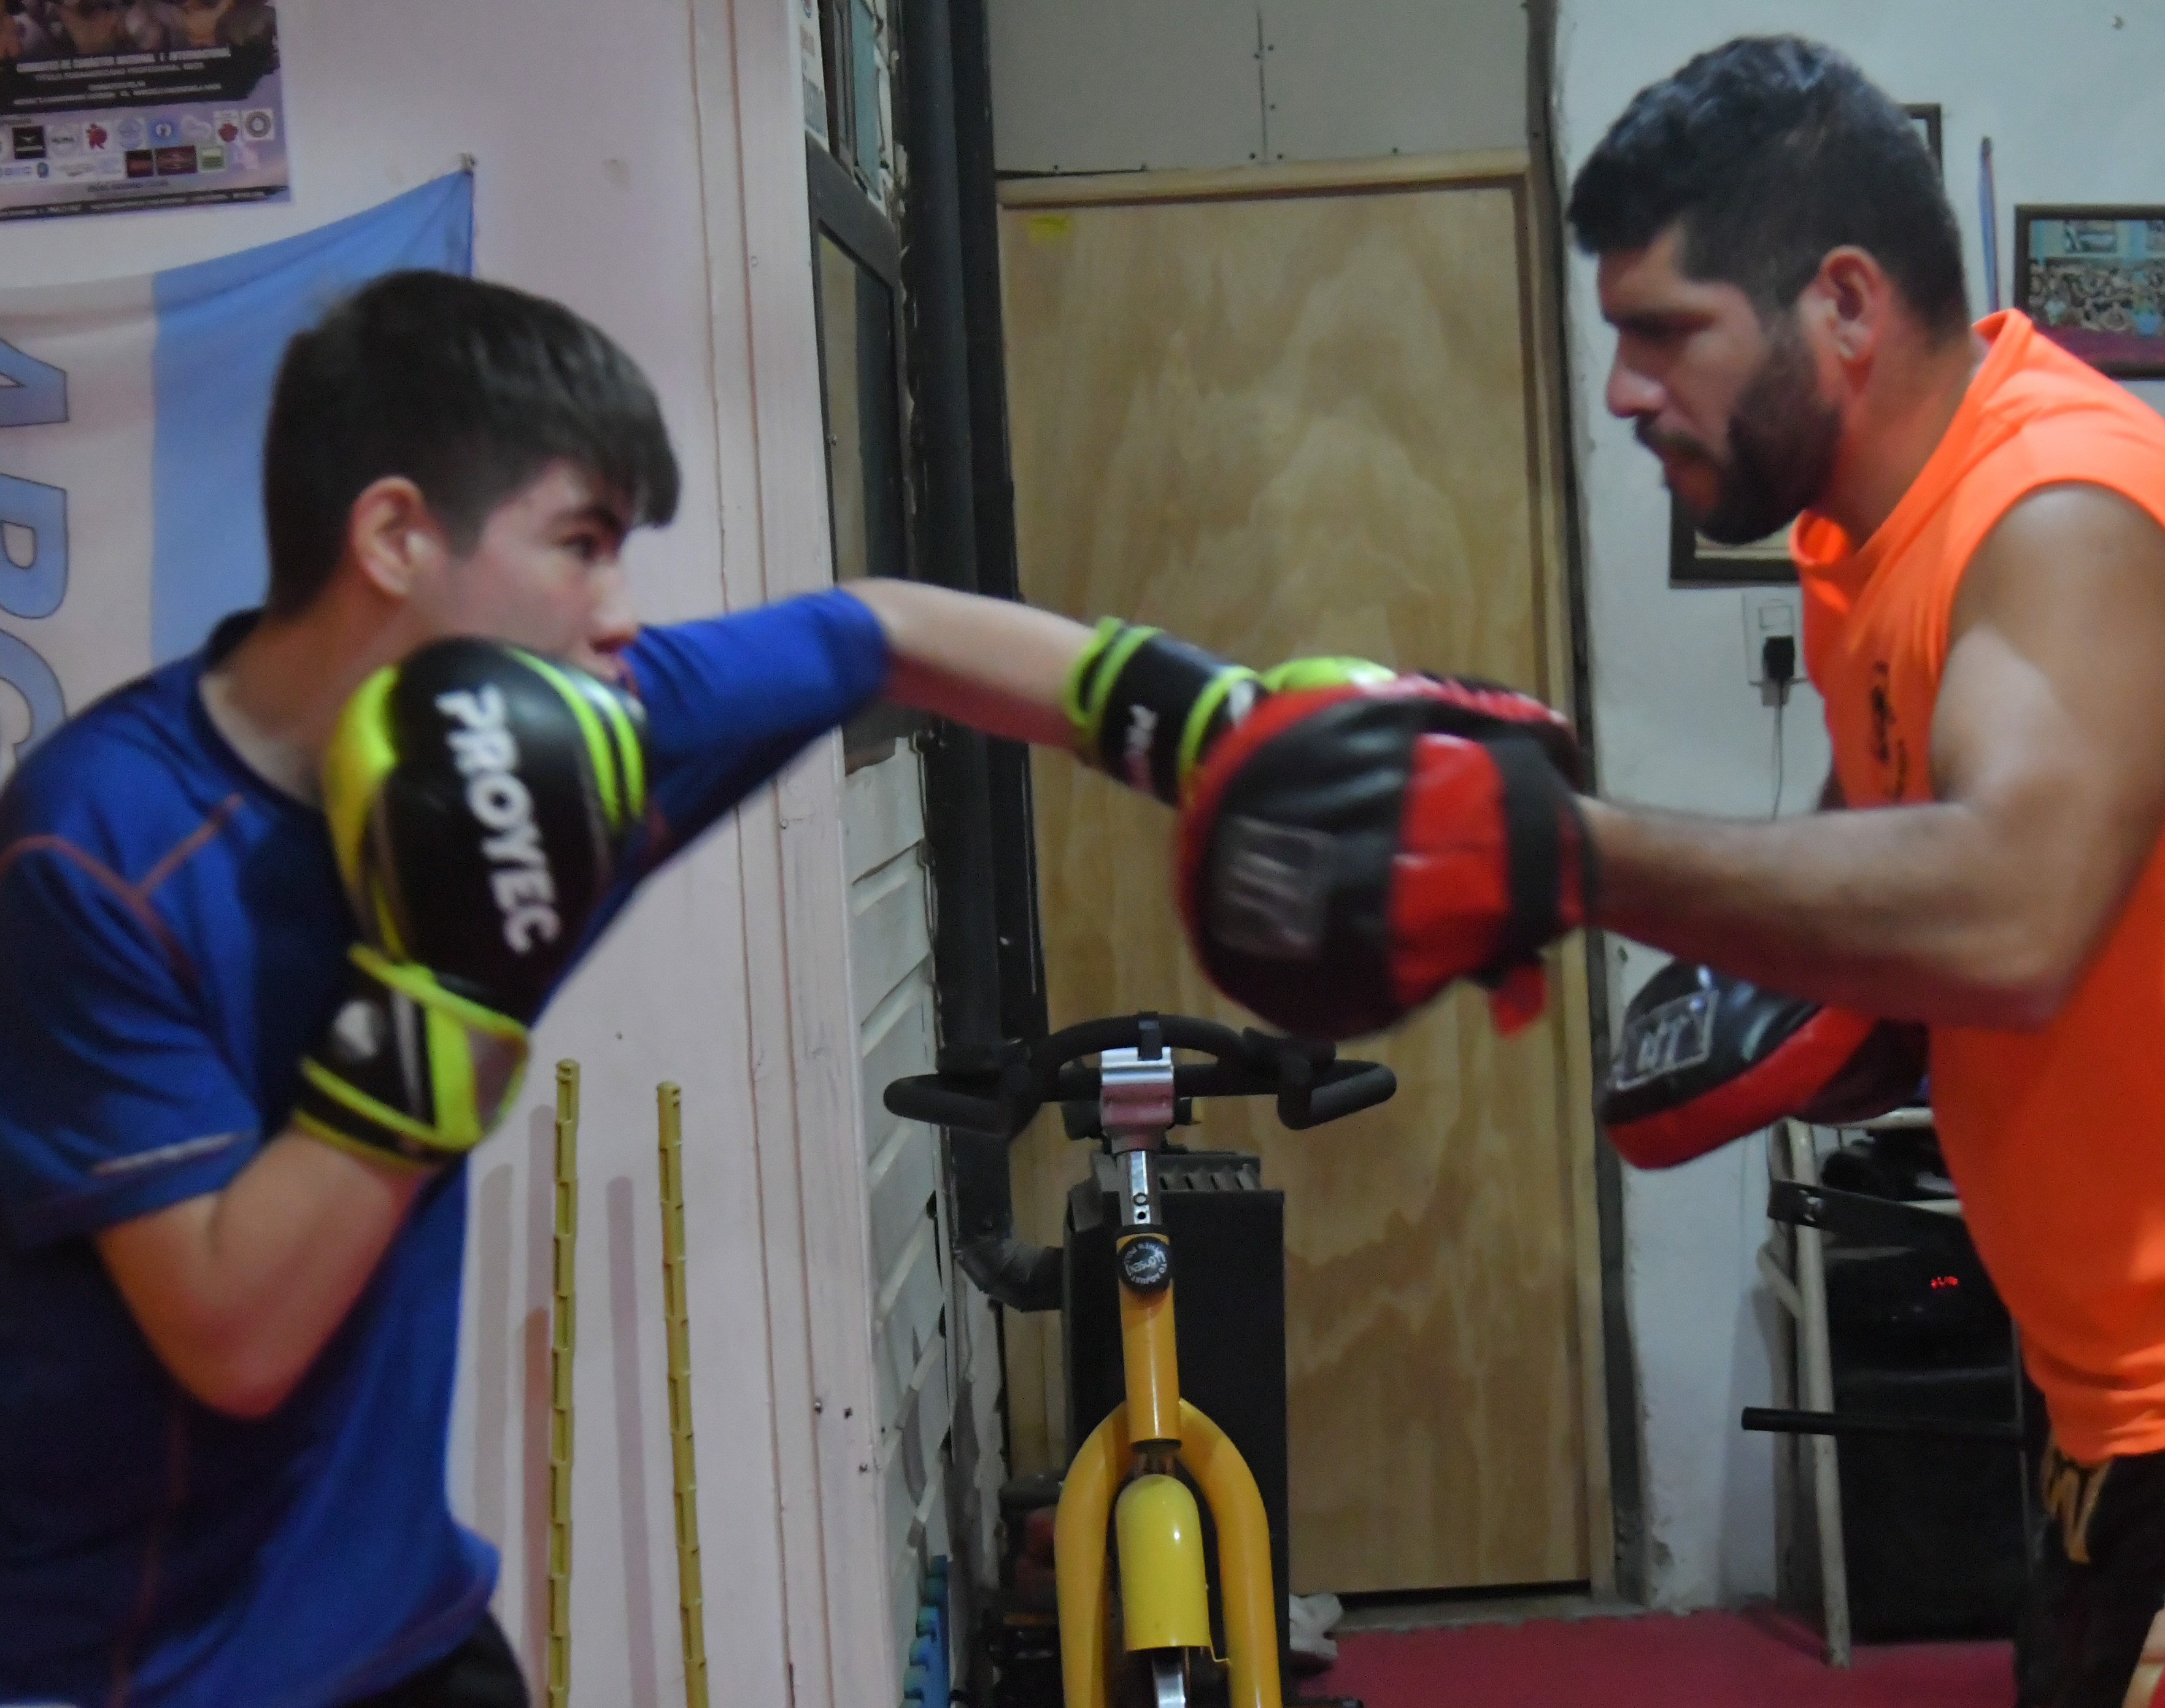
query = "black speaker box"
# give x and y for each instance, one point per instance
(1933, 1527)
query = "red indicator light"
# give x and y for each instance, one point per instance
(1943, 1281)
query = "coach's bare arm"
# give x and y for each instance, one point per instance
(2048, 764)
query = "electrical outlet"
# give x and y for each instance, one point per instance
(1768, 612)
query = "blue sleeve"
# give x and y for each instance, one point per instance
(114, 1101)
(731, 699)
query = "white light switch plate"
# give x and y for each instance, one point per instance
(1769, 612)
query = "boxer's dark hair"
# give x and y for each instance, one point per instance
(469, 390)
(1771, 151)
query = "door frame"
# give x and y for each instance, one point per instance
(1561, 622)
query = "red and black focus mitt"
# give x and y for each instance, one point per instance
(1346, 852)
(1705, 1058)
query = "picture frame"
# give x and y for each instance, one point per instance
(1695, 561)
(1926, 118)
(2092, 278)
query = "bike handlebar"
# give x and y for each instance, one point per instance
(1000, 1089)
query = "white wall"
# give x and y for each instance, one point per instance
(587, 135)
(2070, 106)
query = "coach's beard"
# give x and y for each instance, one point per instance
(1782, 441)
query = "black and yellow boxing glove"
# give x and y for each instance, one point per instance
(1146, 707)
(481, 799)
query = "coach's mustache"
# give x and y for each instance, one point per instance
(1672, 444)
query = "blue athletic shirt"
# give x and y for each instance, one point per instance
(172, 941)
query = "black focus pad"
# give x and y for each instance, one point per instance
(1705, 1058)
(1689, 1032)
(1886, 1071)
(496, 834)
(1300, 864)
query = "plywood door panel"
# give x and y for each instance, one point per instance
(1298, 425)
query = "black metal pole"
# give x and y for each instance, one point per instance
(956, 789)
(1013, 828)
(1774, 1421)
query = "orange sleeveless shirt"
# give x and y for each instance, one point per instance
(2056, 1139)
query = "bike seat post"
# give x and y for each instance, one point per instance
(1136, 1105)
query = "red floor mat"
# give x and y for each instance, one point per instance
(1701, 1660)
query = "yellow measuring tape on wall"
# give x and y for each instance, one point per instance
(564, 1332)
(677, 1316)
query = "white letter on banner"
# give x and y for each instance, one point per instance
(35, 588)
(34, 394)
(32, 677)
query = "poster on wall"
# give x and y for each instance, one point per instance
(131, 431)
(109, 105)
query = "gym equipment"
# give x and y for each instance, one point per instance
(1912, 1401)
(1346, 852)
(1140, 1467)
(1705, 1057)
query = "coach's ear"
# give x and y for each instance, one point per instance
(393, 538)
(1850, 299)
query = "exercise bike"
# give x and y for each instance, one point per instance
(1126, 1473)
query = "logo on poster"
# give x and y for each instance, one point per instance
(227, 124)
(132, 131)
(88, 167)
(260, 123)
(28, 141)
(164, 130)
(210, 157)
(96, 136)
(63, 139)
(141, 163)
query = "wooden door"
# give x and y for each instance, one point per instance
(1313, 420)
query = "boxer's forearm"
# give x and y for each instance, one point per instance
(237, 1290)
(1916, 912)
(992, 663)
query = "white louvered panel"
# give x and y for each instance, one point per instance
(896, 1040)
(883, 813)
(891, 934)
(939, 1457)
(904, 1172)
(907, 1316)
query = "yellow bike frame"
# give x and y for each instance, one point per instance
(1157, 1530)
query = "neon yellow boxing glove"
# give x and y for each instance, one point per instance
(1145, 708)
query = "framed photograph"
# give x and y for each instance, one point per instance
(1695, 561)
(1927, 121)
(2093, 281)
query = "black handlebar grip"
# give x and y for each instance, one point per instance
(922, 1097)
(1341, 1094)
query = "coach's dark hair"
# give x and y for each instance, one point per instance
(470, 390)
(1772, 151)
